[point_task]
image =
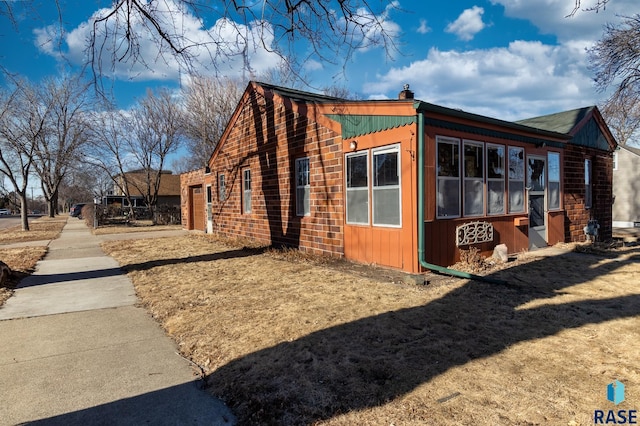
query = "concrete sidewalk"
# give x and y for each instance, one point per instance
(74, 348)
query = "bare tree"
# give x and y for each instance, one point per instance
(109, 151)
(208, 106)
(326, 30)
(22, 125)
(66, 132)
(154, 131)
(615, 61)
(622, 114)
(598, 6)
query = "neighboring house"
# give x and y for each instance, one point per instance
(400, 183)
(626, 187)
(168, 191)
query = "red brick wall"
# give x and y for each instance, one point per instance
(577, 215)
(267, 137)
(195, 177)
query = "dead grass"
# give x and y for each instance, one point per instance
(39, 230)
(22, 262)
(290, 340)
(138, 226)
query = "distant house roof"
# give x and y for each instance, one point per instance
(631, 149)
(169, 183)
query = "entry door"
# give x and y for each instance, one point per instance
(536, 185)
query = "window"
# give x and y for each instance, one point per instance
(553, 188)
(303, 187)
(357, 188)
(615, 160)
(495, 179)
(587, 184)
(516, 180)
(386, 186)
(246, 191)
(448, 180)
(209, 196)
(222, 188)
(473, 179)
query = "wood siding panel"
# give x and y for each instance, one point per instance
(441, 246)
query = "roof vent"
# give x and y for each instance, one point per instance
(406, 93)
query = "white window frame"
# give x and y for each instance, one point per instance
(351, 190)
(588, 183)
(303, 209)
(551, 180)
(453, 142)
(375, 188)
(615, 160)
(467, 180)
(501, 180)
(222, 188)
(521, 181)
(246, 191)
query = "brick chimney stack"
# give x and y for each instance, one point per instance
(406, 93)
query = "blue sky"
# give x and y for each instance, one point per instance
(509, 59)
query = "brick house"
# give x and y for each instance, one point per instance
(399, 183)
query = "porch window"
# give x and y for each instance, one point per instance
(303, 187)
(246, 191)
(473, 179)
(222, 189)
(357, 188)
(516, 180)
(386, 186)
(495, 179)
(587, 184)
(448, 180)
(553, 188)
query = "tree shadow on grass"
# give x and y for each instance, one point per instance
(322, 374)
(229, 254)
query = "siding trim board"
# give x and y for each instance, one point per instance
(489, 133)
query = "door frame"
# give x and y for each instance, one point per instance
(538, 235)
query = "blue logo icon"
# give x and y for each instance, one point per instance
(615, 392)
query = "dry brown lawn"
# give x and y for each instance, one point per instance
(40, 229)
(138, 226)
(285, 339)
(22, 261)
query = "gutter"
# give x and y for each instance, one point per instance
(421, 204)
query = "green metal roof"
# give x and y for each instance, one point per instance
(358, 125)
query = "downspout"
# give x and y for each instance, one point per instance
(421, 237)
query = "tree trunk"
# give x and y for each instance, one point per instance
(24, 217)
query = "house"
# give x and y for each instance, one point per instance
(400, 183)
(168, 190)
(626, 187)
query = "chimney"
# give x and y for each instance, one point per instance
(406, 93)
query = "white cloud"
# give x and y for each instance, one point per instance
(423, 28)
(312, 65)
(227, 48)
(373, 29)
(550, 16)
(468, 24)
(47, 39)
(522, 80)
